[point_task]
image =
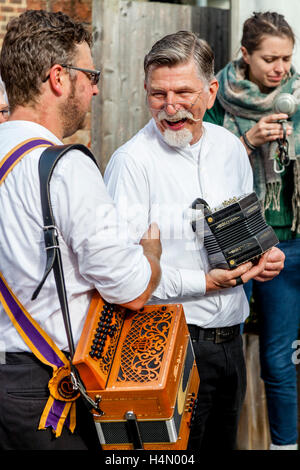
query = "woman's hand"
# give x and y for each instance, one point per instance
(267, 129)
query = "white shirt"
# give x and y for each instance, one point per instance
(151, 181)
(95, 250)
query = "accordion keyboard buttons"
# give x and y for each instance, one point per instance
(104, 329)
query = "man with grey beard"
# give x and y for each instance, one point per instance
(156, 176)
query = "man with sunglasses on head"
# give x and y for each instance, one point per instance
(47, 68)
(172, 161)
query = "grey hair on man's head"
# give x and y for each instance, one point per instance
(180, 48)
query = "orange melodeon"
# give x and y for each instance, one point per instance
(140, 366)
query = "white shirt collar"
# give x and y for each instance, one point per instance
(30, 127)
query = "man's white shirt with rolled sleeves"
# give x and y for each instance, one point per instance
(95, 250)
(153, 182)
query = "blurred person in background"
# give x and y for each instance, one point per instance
(4, 110)
(244, 106)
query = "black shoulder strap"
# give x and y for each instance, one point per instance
(48, 159)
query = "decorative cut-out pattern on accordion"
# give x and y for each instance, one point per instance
(141, 362)
(143, 351)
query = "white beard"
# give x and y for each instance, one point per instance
(179, 138)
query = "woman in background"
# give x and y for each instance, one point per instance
(244, 105)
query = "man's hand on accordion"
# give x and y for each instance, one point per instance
(275, 263)
(268, 266)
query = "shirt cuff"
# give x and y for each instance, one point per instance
(193, 282)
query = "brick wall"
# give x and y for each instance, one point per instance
(77, 9)
(9, 9)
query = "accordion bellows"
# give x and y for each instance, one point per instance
(139, 363)
(236, 232)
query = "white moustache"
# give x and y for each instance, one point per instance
(180, 114)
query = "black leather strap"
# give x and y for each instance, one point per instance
(48, 159)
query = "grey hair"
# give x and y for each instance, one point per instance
(180, 48)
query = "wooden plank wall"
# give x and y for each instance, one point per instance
(213, 25)
(124, 31)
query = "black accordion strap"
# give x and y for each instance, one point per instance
(47, 162)
(48, 159)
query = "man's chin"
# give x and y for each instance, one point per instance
(180, 138)
(72, 127)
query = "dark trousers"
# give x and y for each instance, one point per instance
(221, 394)
(23, 396)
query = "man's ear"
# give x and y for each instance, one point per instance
(213, 89)
(57, 79)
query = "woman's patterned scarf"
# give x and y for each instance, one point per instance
(244, 105)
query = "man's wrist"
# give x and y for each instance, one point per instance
(210, 284)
